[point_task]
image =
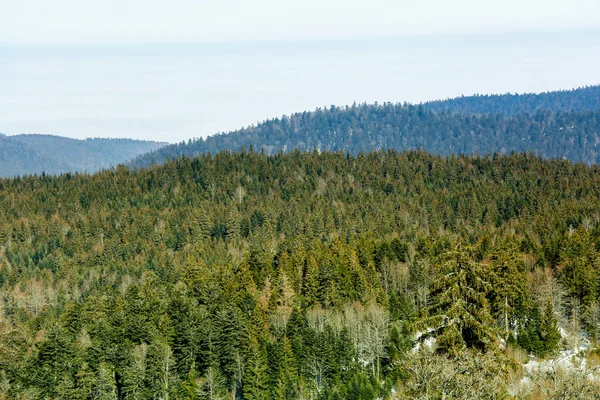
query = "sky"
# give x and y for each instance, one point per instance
(175, 70)
(151, 21)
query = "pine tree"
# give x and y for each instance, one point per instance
(509, 294)
(460, 318)
(255, 380)
(134, 374)
(161, 369)
(84, 383)
(65, 389)
(212, 385)
(530, 334)
(360, 388)
(204, 225)
(310, 282)
(233, 225)
(288, 374)
(550, 334)
(228, 331)
(105, 387)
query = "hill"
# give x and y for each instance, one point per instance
(297, 276)
(581, 99)
(549, 133)
(34, 154)
(17, 158)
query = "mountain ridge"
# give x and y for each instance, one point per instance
(552, 124)
(585, 98)
(552, 133)
(27, 154)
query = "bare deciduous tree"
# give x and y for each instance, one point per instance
(563, 378)
(469, 377)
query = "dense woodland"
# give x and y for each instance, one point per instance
(36, 154)
(553, 125)
(304, 275)
(581, 99)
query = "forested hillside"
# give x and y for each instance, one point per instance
(301, 276)
(34, 154)
(581, 99)
(561, 124)
(17, 157)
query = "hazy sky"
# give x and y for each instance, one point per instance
(180, 69)
(118, 21)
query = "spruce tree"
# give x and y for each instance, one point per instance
(460, 317)
(255, 380)
(288, 374)
(530, 334)
(310, 282)
(228, 331)
(509, 294)
(550, 334)
(134, 374)
(105, 387)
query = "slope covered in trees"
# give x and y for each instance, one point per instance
(34, 154)
(581, 99)
(298, 276)
(17, 157)
(560, 124)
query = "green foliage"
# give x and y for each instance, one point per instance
(555, 124)
(255, 383)
(311, 281)
(549, 329)
(540, 334)
(105, 386)
(460, 317)
(509, 295)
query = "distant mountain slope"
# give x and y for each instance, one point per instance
(29, 154)
(16, 157)
(581, 99)
(571, 134)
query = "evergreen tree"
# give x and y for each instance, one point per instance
(310, 282)
(134, 374)
(549, 332)
(105, 386)
(110, 270)
(360, 388)
(228, 331)
(287, 376)
(460, 318)
(530, 336)
(212, 385)
(509, 294)
(255, 381)
(162, 374)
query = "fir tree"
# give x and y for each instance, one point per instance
(460, 318)
(255, 381)
(310, 282)
(287, 376)
(530, 335)
(550, 335)
(105, 386)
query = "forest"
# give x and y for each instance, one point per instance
(580, 99)
(36, 154)
(562, 124)
(304, 275)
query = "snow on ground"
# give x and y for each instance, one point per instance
(569, 361)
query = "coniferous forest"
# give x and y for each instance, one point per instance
(36, 154)
(303, 275)
(564, 124)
